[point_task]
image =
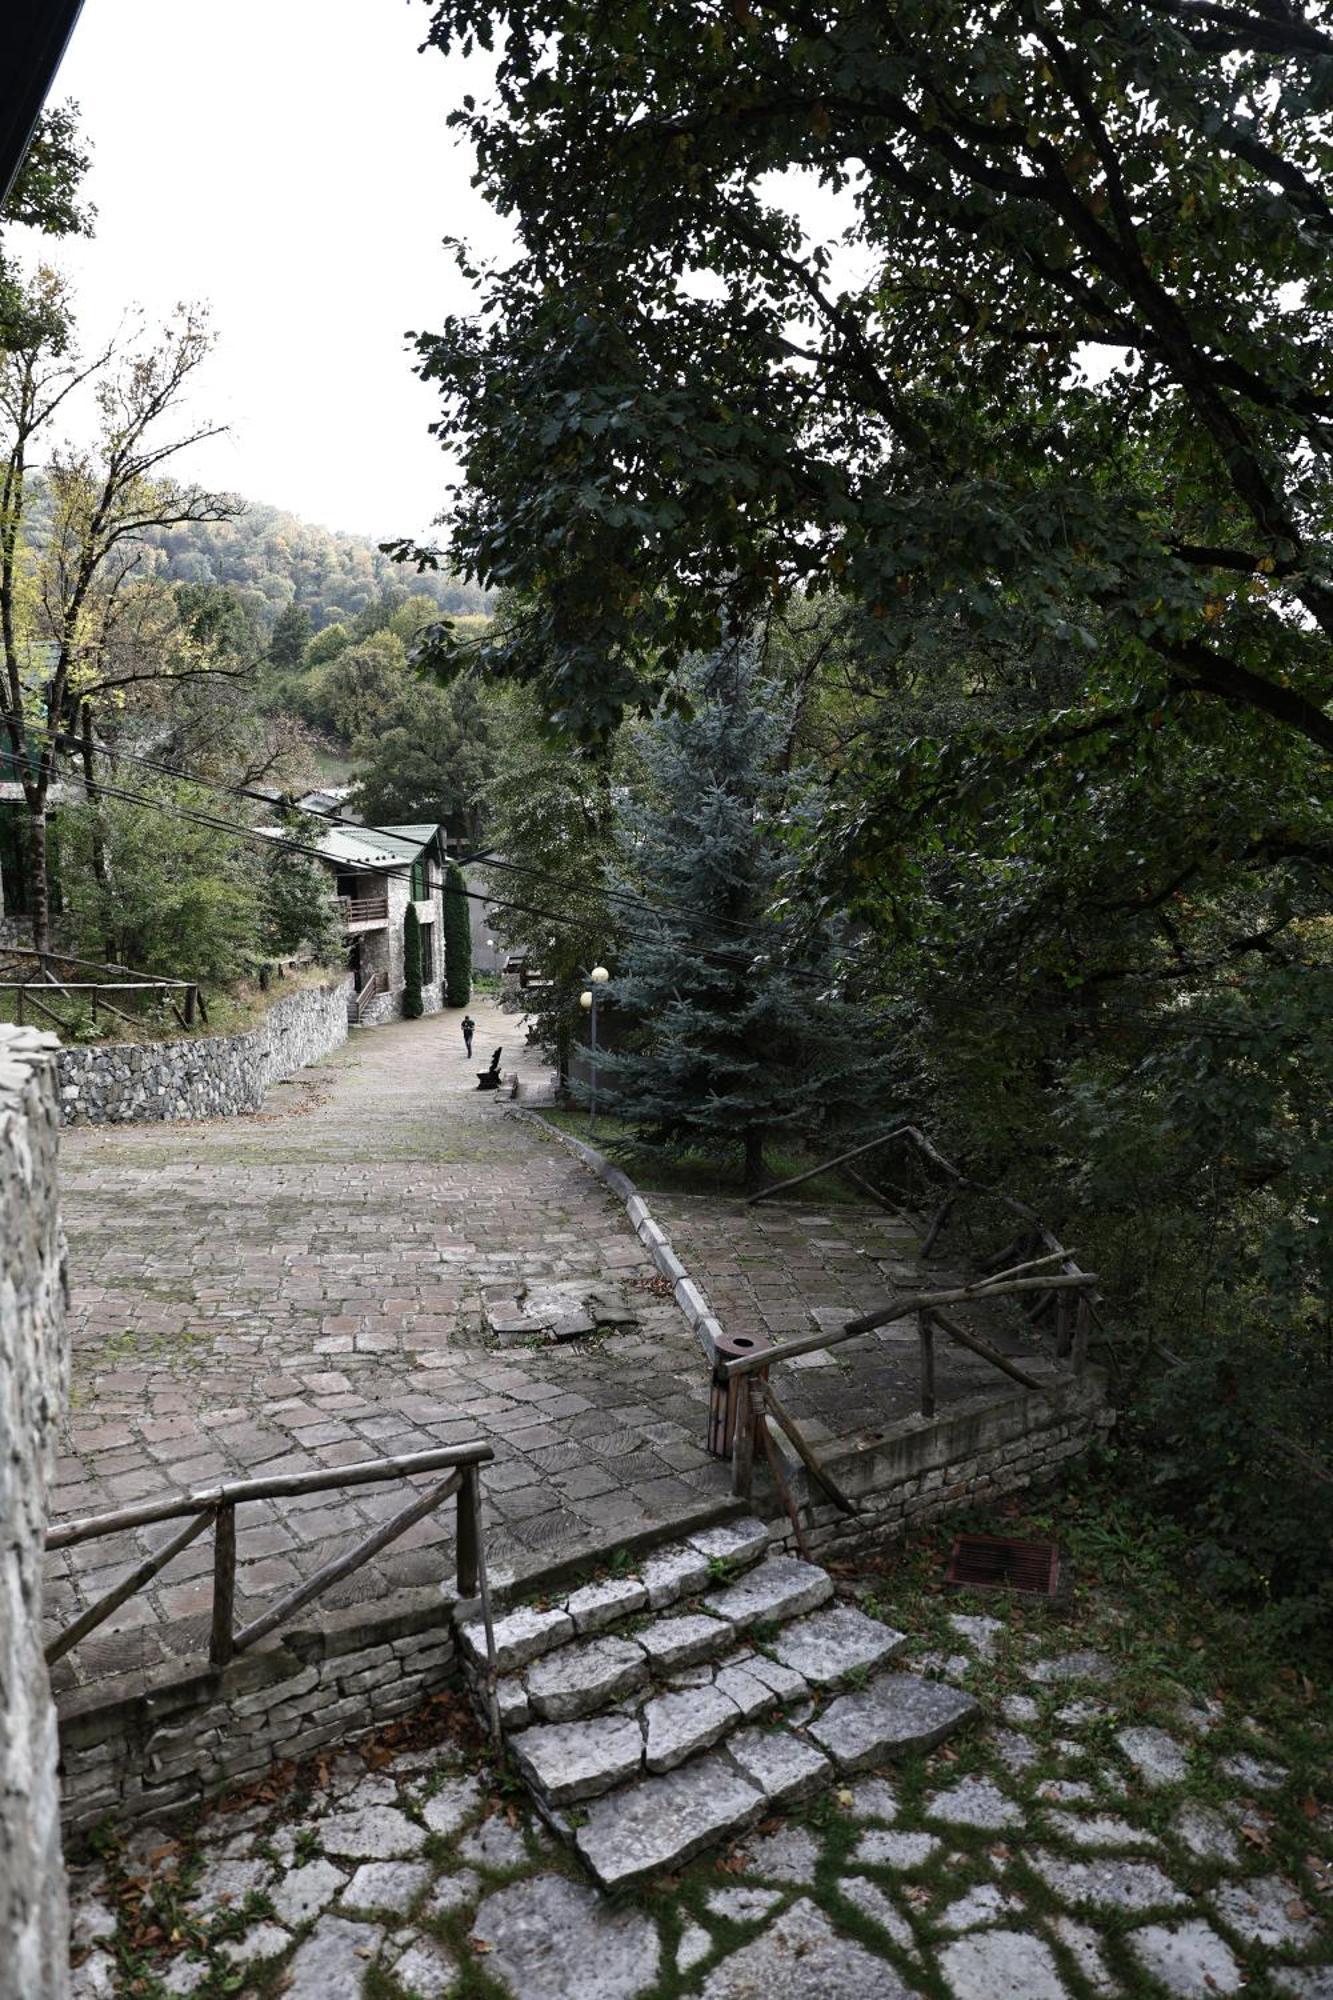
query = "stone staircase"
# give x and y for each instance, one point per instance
(654, 1714)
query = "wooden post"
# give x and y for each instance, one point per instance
(1061, 1326)
(18, 1006)
(742, 1448)
(469, 1532)
(926, 1334)
(220, 1644)
(190, 992)
(1082, 1326)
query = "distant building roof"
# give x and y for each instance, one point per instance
(367, 846)
(327, 799)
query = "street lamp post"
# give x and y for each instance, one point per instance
(597, 979)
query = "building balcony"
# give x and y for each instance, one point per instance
(364, 913)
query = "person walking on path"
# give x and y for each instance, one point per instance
(469, 1030)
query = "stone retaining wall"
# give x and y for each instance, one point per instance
(33, 1380)
(215, 1076)
(970, 1453)
(163, 1749)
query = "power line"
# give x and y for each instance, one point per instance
(397, 870)
(629, 898)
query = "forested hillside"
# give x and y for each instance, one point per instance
(269, 560)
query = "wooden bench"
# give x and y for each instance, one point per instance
(489, 1079)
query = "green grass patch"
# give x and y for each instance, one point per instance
(661, 1170)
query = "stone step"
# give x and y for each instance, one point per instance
(895, 1714)
(653, 1715)
(687, 1712)
(579, 1677)
(659, 1821)
(665, 1577)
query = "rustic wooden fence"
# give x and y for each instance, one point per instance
(215, 1508)
(39, 980)
(1033, 1268)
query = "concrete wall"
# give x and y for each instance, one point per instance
(209, 1076)
(33, 1379)
(153, 1751)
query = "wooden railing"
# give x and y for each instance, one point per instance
(364, 909)
(40, 978)
(1052, 1279)
(378, 982)
(215, 1508)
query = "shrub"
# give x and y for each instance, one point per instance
(412, 1003)
(457, 939)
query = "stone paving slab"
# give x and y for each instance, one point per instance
(853, 1896)
(305, 1289)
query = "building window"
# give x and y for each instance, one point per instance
(420, 880)
(427, 952)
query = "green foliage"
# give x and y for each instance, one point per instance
(275, 563)
(551, 816)
(181, 899)
(428, 755)
(457, 938)
(44, 197)
(412, 1007)
(326, 645)
(731, 1038)
(355, 688)
(921, 432)
(289, 638)
(297, 909)
(1210, 1428)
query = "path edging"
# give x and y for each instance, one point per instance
(689, 1296)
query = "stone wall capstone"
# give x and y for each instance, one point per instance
(33, 1378)
(213, 1076)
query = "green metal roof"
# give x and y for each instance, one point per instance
(366, 846)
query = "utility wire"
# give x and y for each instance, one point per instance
(400, 871)
(561, 883)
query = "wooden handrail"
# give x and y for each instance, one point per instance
(216, 1508)
(750, 1372)
(903, 1308)
(235, 1492)
(89, 964)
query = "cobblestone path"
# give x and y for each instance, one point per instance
(305, 1289)
(1106, 1833)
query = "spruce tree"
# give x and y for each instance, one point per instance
(412, 1003)
(291, 634)
(457, 939)
(731, 1042)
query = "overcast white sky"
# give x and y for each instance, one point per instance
(287, 161)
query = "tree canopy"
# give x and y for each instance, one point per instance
(1068, 376)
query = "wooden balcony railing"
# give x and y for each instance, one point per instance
(364, 909)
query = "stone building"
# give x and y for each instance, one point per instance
(378, 871)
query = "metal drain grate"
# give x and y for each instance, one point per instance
(998, 1562)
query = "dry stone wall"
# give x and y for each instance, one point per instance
(970, 1453)
(215, 1076)
(33, 1376)
(165, 1748)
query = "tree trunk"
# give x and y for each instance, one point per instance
(41, 888)
(100, 871)
(756, 1171)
